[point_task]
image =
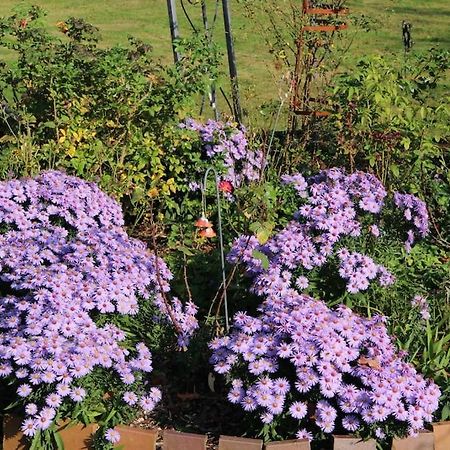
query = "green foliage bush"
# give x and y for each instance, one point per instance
(108, 115)
(392, 118)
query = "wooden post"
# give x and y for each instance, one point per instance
(441, 433)
(237, 443)
(352, 443)
(423, 441)
(172, 440)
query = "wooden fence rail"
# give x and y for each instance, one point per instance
(78, 438)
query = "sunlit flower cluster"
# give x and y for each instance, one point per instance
(227, 143)
(66, 261)
(331, 205)
(322, 370)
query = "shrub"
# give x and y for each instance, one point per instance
(392, 119)
(76, 296)
(108, 115)
(310, 369)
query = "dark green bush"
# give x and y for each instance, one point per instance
(109, 115)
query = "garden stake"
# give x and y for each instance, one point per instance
(232, 62)
(174, 32)
(222, 255)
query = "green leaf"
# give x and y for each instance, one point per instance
(187, 251)
(36, 442)
(445, 412)
(263, 235)
(59, 441)
(423, 112)
(255, 226)
(395, 170)
(406, 142)
(262, 257)
(110, 415)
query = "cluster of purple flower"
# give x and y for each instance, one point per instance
(297, 181)
(348, 375)
(65, 258)
(359, 269)
(331, 204)
(347, 362)
(228, 142)
(415, 211)
(421, 303)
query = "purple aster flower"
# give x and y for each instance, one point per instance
(147, 403)
(155, 394)
(77, 394)
(53, 400)
(375, 230)
(266, 418)
(24, 390)
(304, 434)
(351, 422)
(31, 409)
(29, 427)
(43, 422)
(298, 410)
(112, 436)
(328, 351)
(302, 282)
(64, 245)
(248, 403)
(130, 398)
(226, 144)
(421, 303)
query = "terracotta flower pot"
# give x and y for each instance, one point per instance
(295, 444)
(352, 443)
(237, 443)
(441, 433)
(173, 440)
(424, 441)
(133, 438)
(73, 436)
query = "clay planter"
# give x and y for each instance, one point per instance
(173, 440)
(296, 444)
(441, 433)
(352, 443)
(237, 443)
(74, 437)
(424, 441)
(136, 438)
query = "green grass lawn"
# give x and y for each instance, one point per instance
(258, 76)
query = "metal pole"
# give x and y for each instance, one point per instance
(222, 252)
(174, 32)
(231, 61)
